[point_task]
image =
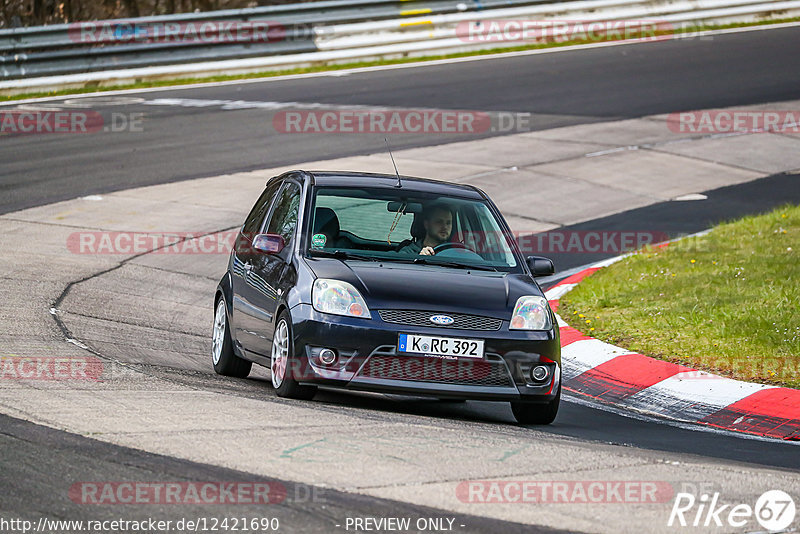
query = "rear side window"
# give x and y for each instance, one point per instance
(256, 217)
(284, 215)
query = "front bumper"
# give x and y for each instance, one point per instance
(367, 359)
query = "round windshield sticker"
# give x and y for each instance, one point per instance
(318, 240)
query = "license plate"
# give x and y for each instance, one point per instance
(443, 346)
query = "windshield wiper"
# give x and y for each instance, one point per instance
(343, 255)
(456, 265)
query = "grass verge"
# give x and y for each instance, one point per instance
(727, 302)
(93, 88)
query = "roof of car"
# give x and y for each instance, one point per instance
(369, 179)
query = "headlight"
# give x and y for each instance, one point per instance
(338, 298)
(530, 313)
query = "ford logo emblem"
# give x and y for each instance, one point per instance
(442, 319)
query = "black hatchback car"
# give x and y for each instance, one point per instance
(381, 283)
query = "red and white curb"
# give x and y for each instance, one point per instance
(622, 378)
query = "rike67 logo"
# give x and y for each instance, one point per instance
(774, 510)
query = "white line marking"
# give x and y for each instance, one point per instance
(77, 343)
(690, 196)
(100, 101)
(610, 151)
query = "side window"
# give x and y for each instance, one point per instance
(256, 217)
(283, 220)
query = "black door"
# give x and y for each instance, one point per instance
(245, 314)
(264, 280)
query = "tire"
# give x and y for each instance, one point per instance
(281, 362)
(529, 413)
(225, 362)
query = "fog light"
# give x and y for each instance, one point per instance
(327, 356)
(540, 373)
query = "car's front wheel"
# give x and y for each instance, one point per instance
(283, 362)
(529, 413)
(222, 356)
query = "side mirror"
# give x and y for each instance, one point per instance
(541, 266)
(268, 243)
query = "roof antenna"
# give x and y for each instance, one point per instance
(399, 183)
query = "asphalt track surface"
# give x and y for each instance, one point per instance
(559, 89)
(36, 459)
(181, 143)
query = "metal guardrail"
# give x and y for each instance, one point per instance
(327, 32)
(61, 49)
(331, 11)
(444, 29)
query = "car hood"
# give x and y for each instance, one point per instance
(430, 288)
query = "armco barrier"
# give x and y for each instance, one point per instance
(60, 49)
(296, 35)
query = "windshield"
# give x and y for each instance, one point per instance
(405, 226)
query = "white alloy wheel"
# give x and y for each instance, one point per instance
(218, 335)
(280, 353)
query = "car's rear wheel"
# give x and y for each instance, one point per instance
(529, 413)
(283, 363)
(222, 356)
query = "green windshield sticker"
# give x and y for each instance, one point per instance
(318, 240)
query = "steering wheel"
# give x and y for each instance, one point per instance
(447, 246)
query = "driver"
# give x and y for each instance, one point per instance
(438, 223)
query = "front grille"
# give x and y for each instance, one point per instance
(384, 363)
(423, 318)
